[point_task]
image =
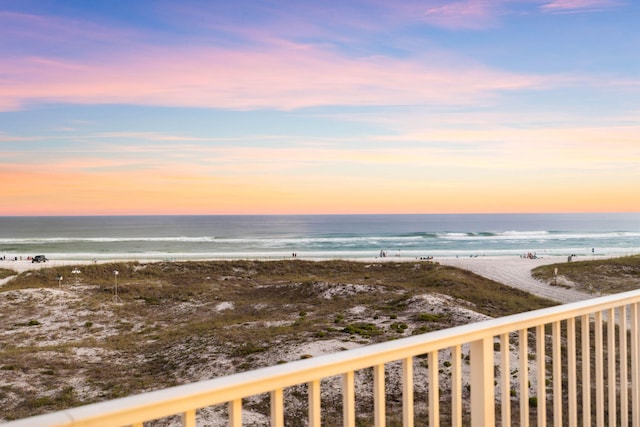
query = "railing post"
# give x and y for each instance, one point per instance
(434, 390)
(407, 392)
(235, 413)
(585, 362)
(379, 402)
(314, 403)
(599, 370)
(482, 389)
(541, 376)
(611, 366)
(505, 379)
(523, 376)
(635, 364)
(624, 373)
(348, 399)
(571, 372)
(189, 418)
(456, 386)
(277, 408)
(556, 352)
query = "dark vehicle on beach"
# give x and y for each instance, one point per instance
(39, 258)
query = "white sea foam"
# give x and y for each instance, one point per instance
(342, 240)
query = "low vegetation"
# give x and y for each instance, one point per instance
(72, 342)
(4, 273)
(606, 276)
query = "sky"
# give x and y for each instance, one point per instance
(300, 107)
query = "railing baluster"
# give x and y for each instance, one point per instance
(599, 376)
(635, 365)
(407, 392)
(314, 403)
(434, 390)
(456, 386)
(541, 376)
(523, 367)
(348, 399)
(235, 413)
(505, 380)
(482, 389)
(611, 365)
(557, 374)
(624, 372)
(585, 360)
(572, 372)
(379, 402)
(277, 408)
(189, 418)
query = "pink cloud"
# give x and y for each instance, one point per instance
(469, 14)
(482, 14)
(283, 77)
(578, 5)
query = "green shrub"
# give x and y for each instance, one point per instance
(430, 317)
(398, 327)
(362, 329)
(421, 330)
(246, 349)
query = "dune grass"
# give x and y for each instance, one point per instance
(605, 276)
(4, 273)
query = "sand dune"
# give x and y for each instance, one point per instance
(511, 271)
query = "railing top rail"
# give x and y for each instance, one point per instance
(178, 399)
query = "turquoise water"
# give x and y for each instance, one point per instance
(319, 236)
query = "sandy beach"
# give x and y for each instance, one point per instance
(511, 271)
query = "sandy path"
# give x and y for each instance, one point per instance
(516, 272)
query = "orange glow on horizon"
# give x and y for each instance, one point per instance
(136, 194)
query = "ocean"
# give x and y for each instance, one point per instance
(319, 236)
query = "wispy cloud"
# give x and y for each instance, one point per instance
(469, 14)
(366, 178)
(572, 6)
(282, 78)
(485, 14)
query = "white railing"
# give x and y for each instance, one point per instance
(514, 370)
